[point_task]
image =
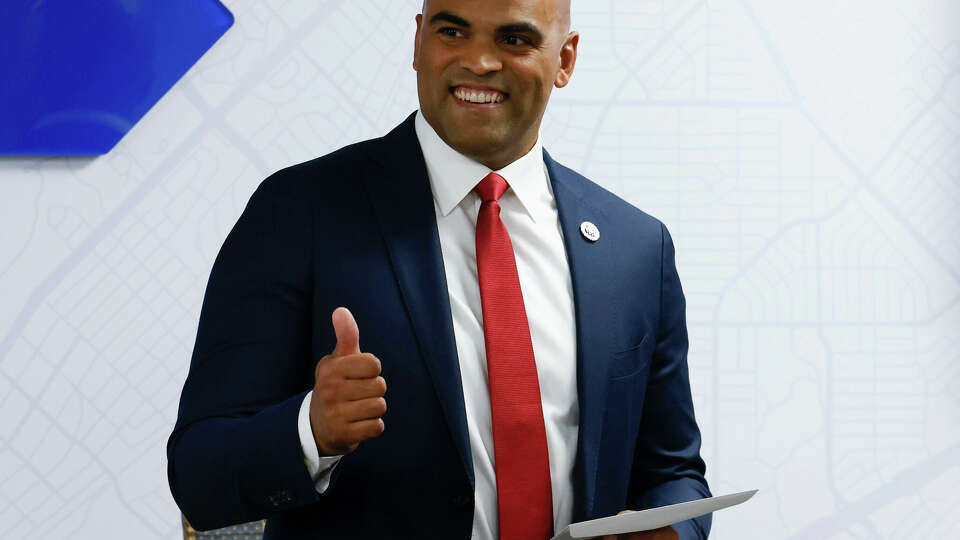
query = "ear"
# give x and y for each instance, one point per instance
(416, 41)
(568, 58)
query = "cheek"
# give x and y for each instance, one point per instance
(534, 80)
(435, 62)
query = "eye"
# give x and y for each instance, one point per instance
(514, 39)
(450, 31)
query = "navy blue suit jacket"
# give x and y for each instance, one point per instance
(357, 228)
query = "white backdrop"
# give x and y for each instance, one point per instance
(804, 154)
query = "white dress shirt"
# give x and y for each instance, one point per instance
(529, 213)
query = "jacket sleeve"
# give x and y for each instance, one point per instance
(234, 455)
(667, 466)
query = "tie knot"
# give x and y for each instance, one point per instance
(491, 187)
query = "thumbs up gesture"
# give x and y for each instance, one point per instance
(348, 391)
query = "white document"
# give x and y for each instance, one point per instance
(653, 518)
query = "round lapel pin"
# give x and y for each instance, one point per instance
(589, 231)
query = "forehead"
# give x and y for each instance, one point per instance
(543, 13)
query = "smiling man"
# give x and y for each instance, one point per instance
(530, 324)
(485, 71)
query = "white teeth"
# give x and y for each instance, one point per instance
(474, 96)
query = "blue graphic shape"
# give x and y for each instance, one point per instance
(76, 75)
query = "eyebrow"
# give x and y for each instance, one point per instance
(520, 28)
(511, 28)
(444, 16)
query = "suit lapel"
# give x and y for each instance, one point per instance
(591, 265)
(403, 200)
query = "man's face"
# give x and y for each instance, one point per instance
(485, 70)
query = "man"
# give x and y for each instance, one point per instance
(530, 324)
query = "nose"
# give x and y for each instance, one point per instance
(480, 58)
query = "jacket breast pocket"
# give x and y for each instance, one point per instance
(629, 362)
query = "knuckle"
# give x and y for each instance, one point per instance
(374, 362)
(323, 386)
(381, 406)
(320, 370)
(381, 385)
(327, 368)
(327, 399)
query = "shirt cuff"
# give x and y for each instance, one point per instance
(318, 467)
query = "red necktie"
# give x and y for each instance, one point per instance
(524, 498)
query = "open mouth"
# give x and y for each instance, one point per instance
(478, 96)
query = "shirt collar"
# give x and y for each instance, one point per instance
(453, 175)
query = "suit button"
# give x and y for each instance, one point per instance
(462, 502)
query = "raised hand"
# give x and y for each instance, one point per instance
(347, 403)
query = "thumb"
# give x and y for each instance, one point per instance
(348, 335)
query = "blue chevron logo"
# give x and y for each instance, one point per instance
(76, 75)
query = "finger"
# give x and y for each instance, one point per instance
(364, 388)
(358, 366)
(364, 409)
(365, 429)
(348, 335)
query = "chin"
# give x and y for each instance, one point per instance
(474, 136)
(474, 145)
